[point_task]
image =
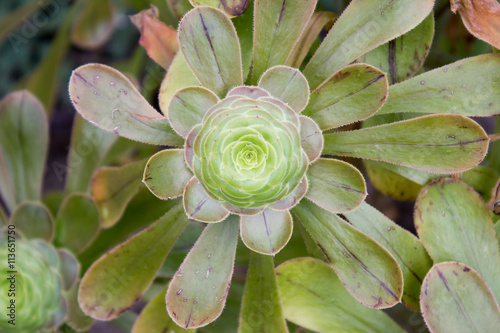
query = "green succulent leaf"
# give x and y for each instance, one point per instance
(230, 7)
(211, 47)
(39, 302)
(69, 268)
(401, 58)
(33, 220)
(311, 138)
(467, 87)
(335, 185)
(313, 297)
(179, 75)
(200, 206)
(267, 232)
(166, 174)
(277, 27)
(261, 307)
(363, 26)
(108, 99)
(119, 278)
(197, 294)
(482, 179)
(405, 247)
(154, 318)
(319, 21)
(113, 187)
(244, 28)
(435, 143)
(454, 224)
(288, 85)
(351, 94)
(367, 270)
(89, 144)
(23, 148)
(77, 222)
(497, 230)
(94, 24)
(455, 298)
(75, 317)
(188, 106)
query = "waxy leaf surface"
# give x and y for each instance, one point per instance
(454, 224)
(405, 247)
(335, 185)
(211, 47)
(33, 220)
(77, 222)
(106, 98)
(364, 25)
(23, 148)
(119, 278)
(313, 297)
(468, 87)
(197, 294)
(455, 298)
(277, 26)
(402, 57)
(436, 143)
(366, 269)
(351, 94)
(261, 307)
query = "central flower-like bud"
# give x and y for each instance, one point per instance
(248, 152)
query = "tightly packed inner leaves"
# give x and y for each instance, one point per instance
(247, 131)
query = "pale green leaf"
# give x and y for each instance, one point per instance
(166, 174)
(277, 27)
(286, 84)
(244, 28)
(456, 299)
(311, 138)
(405, 247)
(261, 307)
(89, 144)
(155, 319)
(94, 24)
(230, 7)
(454, 224)
(335, 185)
(435, 143)
(468, 87)
(402, 57)
(351, 94)
(267, 232)
(200, 206)
(33, 220)
(118, 279)
(188, 106)
(483, 179)
(69, 268)
(23, 147)
(113, 187)
(364, 25)
(197, 294)
(211, 47)
(313, 297)
(178, 76)
(497, 230)
(319, 21)
(179, 7)
(77, 222)
(368, 271)
(106, 98)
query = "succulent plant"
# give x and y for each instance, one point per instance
(33, 282)
(257, 135)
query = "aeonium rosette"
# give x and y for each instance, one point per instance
(250, 131)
